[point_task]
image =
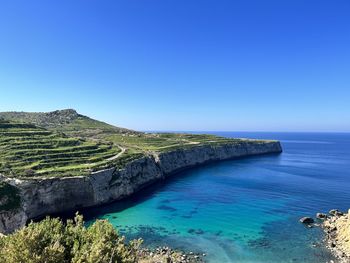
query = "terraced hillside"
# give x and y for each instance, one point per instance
(29, 151)
(74, 124)
(65, 143)
(67, 121)
(160, 142)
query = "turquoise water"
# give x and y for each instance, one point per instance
(244, 210)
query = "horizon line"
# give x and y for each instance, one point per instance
(188, 131)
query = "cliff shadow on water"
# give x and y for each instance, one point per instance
(148, 190)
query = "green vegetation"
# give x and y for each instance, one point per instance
(73, 124)
(160, 142)
(66, 121)
(127, 157)
(65, 143)
(51, 241)
(9, 197)
(29, 151)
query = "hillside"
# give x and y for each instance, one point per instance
(65, 143)
(67, 121)
(74, 124)
(29, 151)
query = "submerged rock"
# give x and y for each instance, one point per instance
(321, 216)
(306, 220)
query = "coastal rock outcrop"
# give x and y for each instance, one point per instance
(40, 197)
(335, 212)
(337, 229)
(321, 216)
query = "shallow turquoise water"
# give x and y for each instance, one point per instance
(244, 210)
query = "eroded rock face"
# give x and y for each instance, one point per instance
(40, 197)
(12, 220)
(171, 162)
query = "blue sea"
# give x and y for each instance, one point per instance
(244, 210)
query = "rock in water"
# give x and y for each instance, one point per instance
(306, 220)
(335, 212)
(321, 216)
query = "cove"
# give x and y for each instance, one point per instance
(244, 210)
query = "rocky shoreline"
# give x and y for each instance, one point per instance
(168, 255)
(337, 229)
(336, 226)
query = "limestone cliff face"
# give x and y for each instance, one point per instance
(40, 197)
(172, 161)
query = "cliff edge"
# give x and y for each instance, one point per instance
(42, 196)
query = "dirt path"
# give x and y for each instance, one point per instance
(118, 155)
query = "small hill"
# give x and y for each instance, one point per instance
(68, 121)
(74, 124)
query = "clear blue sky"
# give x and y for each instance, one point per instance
(280, 65)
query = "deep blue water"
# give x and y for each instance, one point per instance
(245, 210)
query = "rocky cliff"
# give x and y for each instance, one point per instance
(40, 197)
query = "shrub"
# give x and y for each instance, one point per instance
(29, 172)
(9, 197)
(51, 241)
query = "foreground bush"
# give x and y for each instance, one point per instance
(51, 241)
